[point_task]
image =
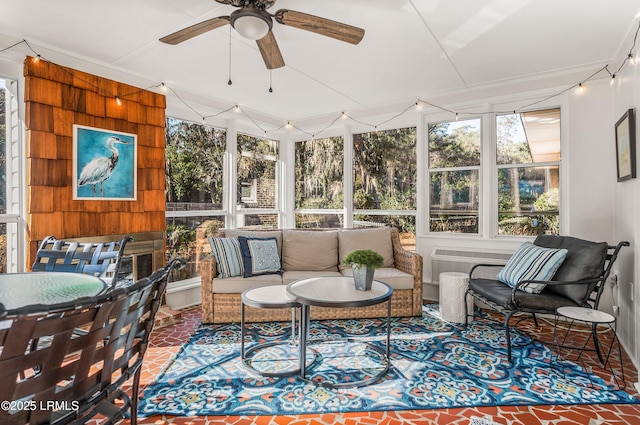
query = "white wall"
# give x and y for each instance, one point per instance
(626, 95)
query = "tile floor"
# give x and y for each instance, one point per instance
(166, 341)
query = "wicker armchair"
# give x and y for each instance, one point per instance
(69, 376)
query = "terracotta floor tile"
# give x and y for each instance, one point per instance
(166, 342)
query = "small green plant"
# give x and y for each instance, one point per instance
(364, 257)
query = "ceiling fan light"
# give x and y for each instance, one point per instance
(251, 25)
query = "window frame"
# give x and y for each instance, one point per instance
(428, 170)
(497, 167)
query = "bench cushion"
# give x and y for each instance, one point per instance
(585, 259)
(293, 275)
(500, 293)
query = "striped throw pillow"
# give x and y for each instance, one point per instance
(531, 262)
(228, 257)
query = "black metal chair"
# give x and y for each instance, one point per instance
(101, 259)
(579, 281)
(71, 377)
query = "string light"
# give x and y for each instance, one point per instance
(630, 58)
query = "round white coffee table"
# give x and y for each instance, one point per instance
(280, 363)
(339, 292)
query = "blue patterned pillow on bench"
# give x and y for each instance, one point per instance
(260, 256)
(531, 262)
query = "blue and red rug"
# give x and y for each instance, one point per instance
(434, 364)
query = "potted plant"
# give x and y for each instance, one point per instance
(363, 262)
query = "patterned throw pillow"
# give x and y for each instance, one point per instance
(228, 257)
(531, 262)
(260, 256)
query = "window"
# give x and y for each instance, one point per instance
(195, 193)
(454, 176)
(319, 170)
(257, 162)
(384, 180)
(528, 161)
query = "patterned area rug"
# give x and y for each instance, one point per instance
(434, 364)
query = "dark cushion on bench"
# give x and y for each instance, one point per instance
(585, 259)
(500, 293)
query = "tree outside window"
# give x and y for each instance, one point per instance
(384, 180)
(257, 167)
(454, 170)
(319, 183)
(194, 170)
(528, 160)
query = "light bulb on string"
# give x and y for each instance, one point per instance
(580, 88)
(118, 101)
(36, 59)
(163, 87)
(613, 79)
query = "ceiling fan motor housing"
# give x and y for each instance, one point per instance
(251, 22)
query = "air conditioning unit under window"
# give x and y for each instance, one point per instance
(461, 260)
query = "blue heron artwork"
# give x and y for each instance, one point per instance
(104, 164)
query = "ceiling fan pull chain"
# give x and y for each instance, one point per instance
(229, 82)
(270, 81)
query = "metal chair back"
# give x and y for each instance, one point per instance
(101, 259)
(53, 374)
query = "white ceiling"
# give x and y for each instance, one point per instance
(412, 49)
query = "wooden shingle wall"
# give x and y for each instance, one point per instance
(56, 98)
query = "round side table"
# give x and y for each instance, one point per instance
(591, 319)
(284, 361)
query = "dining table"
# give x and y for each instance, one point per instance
(42, 289)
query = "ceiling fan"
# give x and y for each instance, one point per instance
(252, 21)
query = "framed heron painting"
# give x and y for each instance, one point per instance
(104, 164)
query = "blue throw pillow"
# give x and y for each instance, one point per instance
(531, 262)
(260, 256)
(228, 257)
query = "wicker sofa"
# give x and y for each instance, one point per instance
(312, 253)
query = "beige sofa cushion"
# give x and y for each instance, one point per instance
(237, 285)
(376, 239)
(234, 233)
(292, 276)
(393, 277)
(309, 250)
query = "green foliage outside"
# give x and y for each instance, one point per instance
(385, 170)
(319, 174)
(364, 257)
(194, 162)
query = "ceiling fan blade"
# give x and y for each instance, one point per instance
(194, 30)
(270, 51)
(322, 26)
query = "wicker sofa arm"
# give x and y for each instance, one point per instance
(406, 261)
(207, 272)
